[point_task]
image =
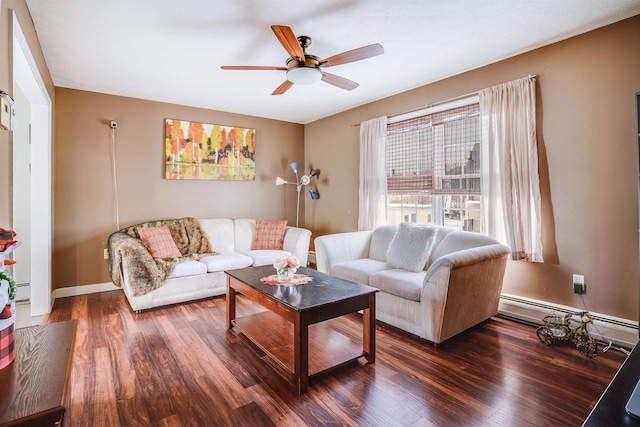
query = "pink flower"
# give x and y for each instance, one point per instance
(292, 262)
(286, 263)
(280, 263)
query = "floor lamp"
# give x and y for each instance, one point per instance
(304, 180)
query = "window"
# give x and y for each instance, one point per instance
(433, 167)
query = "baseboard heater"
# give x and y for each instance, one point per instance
(620, 332)
(312, 258)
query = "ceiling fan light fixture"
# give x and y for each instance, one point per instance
(304, 75)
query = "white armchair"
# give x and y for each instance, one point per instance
(458, 287)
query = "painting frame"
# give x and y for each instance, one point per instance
(204, 151)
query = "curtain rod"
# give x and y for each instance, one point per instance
(455, 98)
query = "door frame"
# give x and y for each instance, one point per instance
(27, 75)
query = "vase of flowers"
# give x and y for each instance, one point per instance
(286, 268)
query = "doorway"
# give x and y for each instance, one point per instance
(21, 190)
(32, 177)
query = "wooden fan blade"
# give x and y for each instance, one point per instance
(338, 81)
(252, 67)
(282, 88)
(288, 40)
(353, 55)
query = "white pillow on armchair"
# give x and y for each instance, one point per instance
(411, 246)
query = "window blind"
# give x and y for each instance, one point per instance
(437, 153)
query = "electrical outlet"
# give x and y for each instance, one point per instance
(106, 254)
(578, 283)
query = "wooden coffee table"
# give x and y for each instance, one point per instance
(290, 331)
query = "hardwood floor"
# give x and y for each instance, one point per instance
(179, 366)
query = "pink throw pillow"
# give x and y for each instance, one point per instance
(159, 242)
(269, 235)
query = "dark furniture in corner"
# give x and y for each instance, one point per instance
(35, 384)
(609, 411)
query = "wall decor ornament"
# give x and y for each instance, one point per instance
(567, 328)
(195, 150)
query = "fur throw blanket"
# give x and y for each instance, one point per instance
(144, 272)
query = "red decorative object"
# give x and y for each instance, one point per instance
(6, 312)
(7, 347)
(6, 239)
(7, 299)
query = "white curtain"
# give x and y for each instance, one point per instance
(373, 177)
(510, 181)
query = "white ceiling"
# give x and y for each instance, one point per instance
(171, 51)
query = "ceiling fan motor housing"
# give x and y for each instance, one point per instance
(310, 61)
(306, 72)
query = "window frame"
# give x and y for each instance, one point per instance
(437, 197)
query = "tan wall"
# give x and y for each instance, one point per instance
(6, 84)
(588, 164)
(84, 195)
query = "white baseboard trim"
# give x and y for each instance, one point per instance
(84, 289)
(621, 332)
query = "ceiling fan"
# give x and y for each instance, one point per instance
(303, 68)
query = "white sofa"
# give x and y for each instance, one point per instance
(458, 287)
(203, 276)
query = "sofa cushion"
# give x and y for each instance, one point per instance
(359, 270)
(411, 246)
(265, 256)
(244, 233)
(159, 242)
(269, 235)
(226, 261)
(189, 268)
(380, 239)
(402, 283)
(220, 232)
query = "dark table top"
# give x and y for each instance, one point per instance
(323, 289)
(610, 409)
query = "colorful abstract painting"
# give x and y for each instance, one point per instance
(203, 151)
